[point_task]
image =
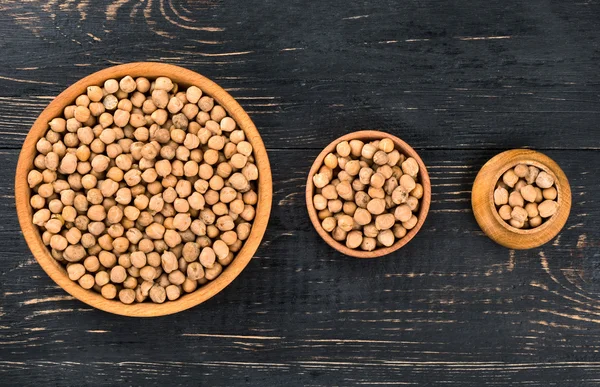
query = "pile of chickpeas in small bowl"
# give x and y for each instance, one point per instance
(526, 197)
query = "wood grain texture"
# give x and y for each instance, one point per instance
(459, 81)
(424, 202)
(486, 214)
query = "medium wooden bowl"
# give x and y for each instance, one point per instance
(482, 200)
(185, 78)
(402, 147)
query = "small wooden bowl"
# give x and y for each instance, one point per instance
(402, 147)
(185, 78)
(482, 200)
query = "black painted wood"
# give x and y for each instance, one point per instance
(460, 81)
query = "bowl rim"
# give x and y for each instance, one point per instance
(487, 216)
(425, 201)
(150, 70)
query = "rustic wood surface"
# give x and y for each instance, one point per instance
(459, 81)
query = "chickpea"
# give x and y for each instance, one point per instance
(380, 158)
(321, 180)
(386, 238)
(407, 182)
(205, 103)
(362, 217)
(411, 223)
(528, 193)
(547, 208)
(157, 294)
(500, 196)
(549, 193)
(368, 151)
(354, 239)
(544, 180)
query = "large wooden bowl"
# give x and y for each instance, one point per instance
(424, 202)
(185, 78)
(482, 200)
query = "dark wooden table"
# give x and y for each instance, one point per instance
(460, 81)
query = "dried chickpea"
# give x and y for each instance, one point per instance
(376, 206)
(547, 208)
(158, 294)
(386, 238)
(399, 231)
(368, 151)
(385, 221)
(510, 178)
(521, 170)
(86, 281)
(407, 182)
(362, 216)
(343, 149)
(403, 213)
(411, 223)
(329, 224)
(109, 291)
(75, 271)
(550, 193)
(380, 158)
(544, 180)
(532, 174)
(354, 239)
(532, 210)
(331, 161)
(520, 184)
(410, 167)
(505, 212)
(515, 199)
(173, 292)
(528, 193)
(535, 221)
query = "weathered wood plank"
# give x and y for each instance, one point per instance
(410, 115)
(507, 75)
(459, 81)
(309, 373)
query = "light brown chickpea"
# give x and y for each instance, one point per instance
(329, 224)
(411, 223)
(362, 217)
(386, 237)
(338, 234)
(213, 272)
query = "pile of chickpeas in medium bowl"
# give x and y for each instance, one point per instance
(368, 194)
(143, 189)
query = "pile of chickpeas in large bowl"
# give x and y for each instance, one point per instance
(143, 190)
